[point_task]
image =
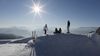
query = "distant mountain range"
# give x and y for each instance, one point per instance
(84, 30)
(27, 33)
(15, 31)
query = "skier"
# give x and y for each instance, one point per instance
(68, 26)
(45, 29)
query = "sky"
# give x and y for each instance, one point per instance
(81, 13)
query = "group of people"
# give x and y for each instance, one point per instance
(31, 43)
(56, 30)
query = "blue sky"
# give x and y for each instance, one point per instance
(81, 13)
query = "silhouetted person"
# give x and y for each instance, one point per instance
(60, 30)
(45, 29)
(68, 26)
(56, 31)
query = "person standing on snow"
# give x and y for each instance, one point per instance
(68, 26)
(45, 29)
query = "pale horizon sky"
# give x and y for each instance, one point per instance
(81, 13)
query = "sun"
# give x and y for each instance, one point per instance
(37, 8)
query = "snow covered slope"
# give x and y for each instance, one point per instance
(66, 45)
(55, 45)
(14, 50)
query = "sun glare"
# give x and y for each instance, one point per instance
(37, 8)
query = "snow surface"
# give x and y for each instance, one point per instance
(15, 50)
(66, 45)
(55, 45)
